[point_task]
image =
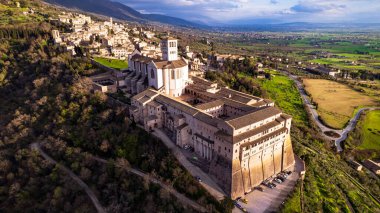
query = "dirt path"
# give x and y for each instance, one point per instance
(95, 201)
(90, 193)
(170, 189)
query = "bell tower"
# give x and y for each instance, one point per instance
(169, 49)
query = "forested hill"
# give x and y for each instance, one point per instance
(121, 11)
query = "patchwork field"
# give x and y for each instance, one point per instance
(370, 131)
(113, 63)
(336, 102)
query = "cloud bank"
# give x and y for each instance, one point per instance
(244, 11)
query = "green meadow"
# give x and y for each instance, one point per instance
(113, 63)
(370, 131)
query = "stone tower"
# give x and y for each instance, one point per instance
(57, 38)
(169, 48)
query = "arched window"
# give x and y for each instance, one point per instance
(152, 73)
(173, 74)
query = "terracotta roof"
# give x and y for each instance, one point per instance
(259, 104)
(168, 38)
(141, 58)
(238, 105)
(256, 116)
(206, 118)
(248, 134)
(144, 99)
(210, 105)
(286, 116)
(202, 81)
(154, 104)
(182, 126)
(370, 164)
(240, 96)
(266, 137)
(170, 64)
(184, 107)
(152, 117)
(148, 92)
(255, 131)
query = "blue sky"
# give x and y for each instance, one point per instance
(263, 11)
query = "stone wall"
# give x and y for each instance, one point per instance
(251, 171)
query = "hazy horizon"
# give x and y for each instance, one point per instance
(215, 12)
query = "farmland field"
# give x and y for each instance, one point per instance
(336, 102)
(370, 131)
(113, 63)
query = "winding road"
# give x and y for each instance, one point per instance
(182, 198)
(170, 189)
(343, 133)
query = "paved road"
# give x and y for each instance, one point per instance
(207, 182)
(342, 132)
(170, 189)
(90, 193)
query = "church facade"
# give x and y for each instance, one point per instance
(169, 74)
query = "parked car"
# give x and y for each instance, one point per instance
(186, 147)
(273, 184)
(259, 188)
(281, 178)
(277, 180)
(269, 185)
(288, 172)
(198, 179)
(284, 174)
(244, 200)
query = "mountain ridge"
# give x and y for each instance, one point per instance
(121, 11)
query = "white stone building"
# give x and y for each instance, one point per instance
(169, 74)
(244, 138)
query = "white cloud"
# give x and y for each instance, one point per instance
(283, 10)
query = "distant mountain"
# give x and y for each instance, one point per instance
(121, 11)
(300, 27)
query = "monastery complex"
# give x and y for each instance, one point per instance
(245, 139)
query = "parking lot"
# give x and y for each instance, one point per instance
(270, 200)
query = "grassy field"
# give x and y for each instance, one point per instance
(282, 90)
(113, 63)
(371, 131)
(336, 102)
(284, 93)
(10, 14)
